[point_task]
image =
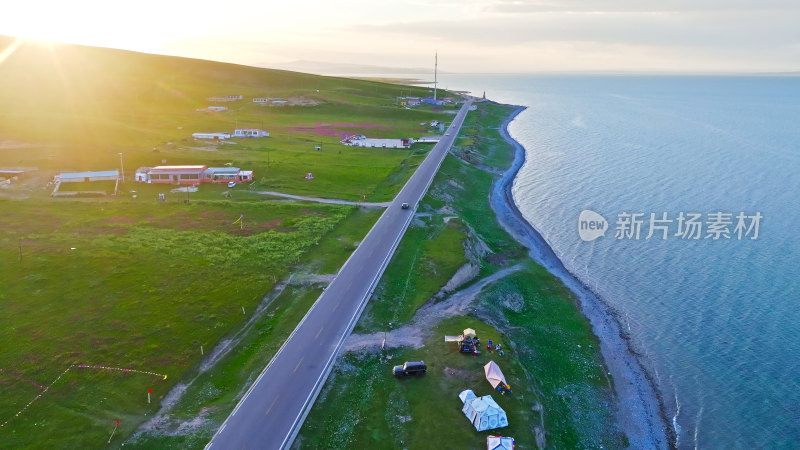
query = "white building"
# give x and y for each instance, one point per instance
(379, 143)
(215, 136)
(261, 100)
(249, 132)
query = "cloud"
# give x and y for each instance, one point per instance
(538, 6)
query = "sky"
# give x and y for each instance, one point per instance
(472, 36)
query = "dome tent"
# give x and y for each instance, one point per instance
(482, 412)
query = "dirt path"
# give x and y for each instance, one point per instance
(324, 200)
(419, 330)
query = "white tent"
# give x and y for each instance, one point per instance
(493, 374)
(499, 443)
(482, 412)
(469, 332)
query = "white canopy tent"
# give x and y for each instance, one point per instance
(482, 412)
(493, 374)
(499, 443)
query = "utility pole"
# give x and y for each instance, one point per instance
(435, 74)
(122, 168)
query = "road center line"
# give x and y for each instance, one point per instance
(298, 365)
(272, 404)
(318, 333)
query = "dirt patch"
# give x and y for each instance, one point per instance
(269, 225)
(461, 374)
(419, 330)
(514, 301)
(302, 101)
(337, 129)
(214, 215)
(497, 259)
(201, 149)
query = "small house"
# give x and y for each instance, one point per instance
(142, 174)
(413, 101)
(85, 177)
(217, 108)
(226, 174)
(219, 136)
(176, 174)
(233, 98)
(378, 143)
(249, 132)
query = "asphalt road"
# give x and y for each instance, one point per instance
(271, 413)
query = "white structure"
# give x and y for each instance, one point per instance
(233, 98)
(141, 174)
(217, 108)
(499, 443)
(85, 177)
(482, 412)
(261, 100)
(379, 143)
(249, 132)
(214, 136)
(494, 375)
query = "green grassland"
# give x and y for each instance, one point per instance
(366, 407)
(132, 285)
(76, 108)
(430, 256)
(562, 396)
(135, 283)
(212, 395)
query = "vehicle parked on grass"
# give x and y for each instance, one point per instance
(231, 184)
(410, 368)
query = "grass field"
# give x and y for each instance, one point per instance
(427, 257)
(212, 395)
(366, 407)
(562, 397)
(74, 108)
(134, 285)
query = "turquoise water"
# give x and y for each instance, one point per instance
(717, 321)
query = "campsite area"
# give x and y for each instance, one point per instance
(561, 394)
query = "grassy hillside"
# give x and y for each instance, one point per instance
(75, 108)
(134, 283)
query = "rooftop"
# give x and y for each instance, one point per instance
(216, 170)
(177, 168)
(103, 173)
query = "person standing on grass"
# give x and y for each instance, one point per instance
(489, 345)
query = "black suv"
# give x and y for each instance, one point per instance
(410, 368)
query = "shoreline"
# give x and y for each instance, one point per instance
(640, 411)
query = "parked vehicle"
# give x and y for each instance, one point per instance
(410, 368)
(231, 184)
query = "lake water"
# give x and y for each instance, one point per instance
(717, 320)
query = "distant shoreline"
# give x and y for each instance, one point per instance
(640, 411)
